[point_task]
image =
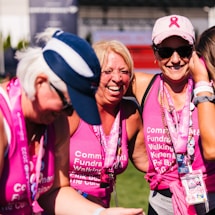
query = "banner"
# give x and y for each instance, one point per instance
(53, 13)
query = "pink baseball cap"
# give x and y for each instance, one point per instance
(173, 25)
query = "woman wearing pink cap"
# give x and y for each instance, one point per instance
(171, 125)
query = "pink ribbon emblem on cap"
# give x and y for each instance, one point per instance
(174, 21)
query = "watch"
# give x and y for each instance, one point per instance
(200, 99)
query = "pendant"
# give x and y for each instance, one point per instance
(182, 165)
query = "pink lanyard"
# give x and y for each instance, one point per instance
(178, 129)
(111, 142)
(14, 92)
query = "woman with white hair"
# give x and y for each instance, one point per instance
(34, 131)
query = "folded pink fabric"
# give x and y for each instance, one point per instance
(180, 205)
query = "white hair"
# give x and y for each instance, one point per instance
(32, 63)
(46, 35)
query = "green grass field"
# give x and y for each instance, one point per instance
(132, 189)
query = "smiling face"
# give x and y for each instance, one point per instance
(175, 68)
(115, 79)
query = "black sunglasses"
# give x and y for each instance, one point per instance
(67, 107)
(166, 52)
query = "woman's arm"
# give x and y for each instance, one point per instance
(139, 84)
(206, 110)
(136, 146)
(63, 199)
(3, 143)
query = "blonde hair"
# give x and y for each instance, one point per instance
(102, 48)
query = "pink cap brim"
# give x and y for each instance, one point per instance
(159, 38)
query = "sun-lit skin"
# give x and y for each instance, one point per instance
(174, 68)
(115, 79)
(46, 106)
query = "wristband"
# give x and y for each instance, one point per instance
(200, 99)
(203, 83)
(203, 89)
(98, 211)
(83, 193)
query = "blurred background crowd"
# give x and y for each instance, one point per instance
(128, 21)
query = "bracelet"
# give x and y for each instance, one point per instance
(203, 83)
(203, 89)
(83, 193)
(98, 211)
(200, 99)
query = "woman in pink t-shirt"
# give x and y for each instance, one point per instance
(34, 131)
(171, 125)
(98, 153)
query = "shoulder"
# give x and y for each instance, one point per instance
(130, 107)
(142, 78)
(140, 83)
(131, 115)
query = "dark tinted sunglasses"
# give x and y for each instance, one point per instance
(67, 107)
(166, 52)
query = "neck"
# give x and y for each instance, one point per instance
(34, 131)
(177, 92)
(108, 116)
(176, 86)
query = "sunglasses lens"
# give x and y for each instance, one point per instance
(185, 51)
(165, 52)
(67, 107)
(68, 111)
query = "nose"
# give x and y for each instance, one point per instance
(175, 58)
(116, 75)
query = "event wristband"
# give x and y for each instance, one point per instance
(203, 83)
(200, 99)
(98, 211)
(83, 193)
(203, 89)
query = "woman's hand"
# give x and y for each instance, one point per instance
(198, 69)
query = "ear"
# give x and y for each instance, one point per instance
(41, 78)
(156, 56)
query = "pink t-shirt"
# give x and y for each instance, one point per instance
(162, 164)
(17, 180)
(86, 161)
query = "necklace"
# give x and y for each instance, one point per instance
(111, 152)
(179, 129)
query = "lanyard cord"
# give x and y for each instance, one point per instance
(14, 93)
(111, 145)
(178, 129)
(189, 142)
